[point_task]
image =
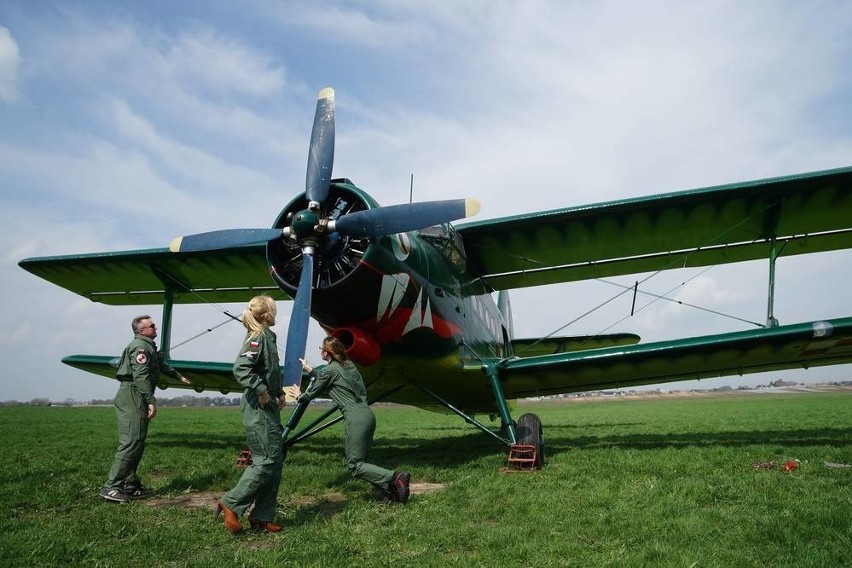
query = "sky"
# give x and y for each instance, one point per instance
(123, 125)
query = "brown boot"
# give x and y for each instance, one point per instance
(232, 521)
(268, 526)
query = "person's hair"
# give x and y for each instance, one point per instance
(256, 317)
(335, 348)
(136, 321)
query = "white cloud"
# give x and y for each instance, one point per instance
(10, 61)
(206, 59)
(198, 167)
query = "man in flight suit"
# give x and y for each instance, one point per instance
(138, 372)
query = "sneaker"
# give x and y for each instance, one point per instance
(137, 492)
(399, 485)
(111, 494)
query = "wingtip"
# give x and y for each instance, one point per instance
(326, 93)
(174, 246)
(471, 207)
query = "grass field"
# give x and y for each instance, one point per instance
(651, 482)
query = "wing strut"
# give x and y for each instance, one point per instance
(166, 329)
(170, 285)
(774, 252)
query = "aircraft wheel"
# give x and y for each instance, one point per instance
(529, 432)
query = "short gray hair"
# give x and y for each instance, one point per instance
(135, 323)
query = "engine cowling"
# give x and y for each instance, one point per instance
(336, 256)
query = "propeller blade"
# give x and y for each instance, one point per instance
(321, 152)
(401, 218)
(226, 238)
(297, 333)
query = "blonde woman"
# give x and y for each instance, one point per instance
(257, 369)
(342, 381)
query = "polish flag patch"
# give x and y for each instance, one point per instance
(141, 358)
(254, 344)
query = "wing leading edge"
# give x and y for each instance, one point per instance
(785, 347)
(804, 213)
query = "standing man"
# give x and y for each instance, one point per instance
(138, 372)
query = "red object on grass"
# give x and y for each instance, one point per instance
(790, 465)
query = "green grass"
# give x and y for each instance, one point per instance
(652, 482)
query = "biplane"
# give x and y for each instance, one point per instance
(423, 307)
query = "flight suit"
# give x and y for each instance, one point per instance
(139, 372)
(344, 385)
(257, 368)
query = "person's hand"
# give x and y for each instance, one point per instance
(293, 391)
(152, 411)
(306, 366)
(282, 401)
(185, 381)
(263, 398)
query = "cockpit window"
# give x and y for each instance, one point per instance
(447, 241)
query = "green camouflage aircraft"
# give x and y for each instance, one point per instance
(410, 295)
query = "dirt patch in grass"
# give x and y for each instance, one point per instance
(326, 506)
(420, 488)
(196, 500)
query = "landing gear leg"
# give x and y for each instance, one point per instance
(502, 406)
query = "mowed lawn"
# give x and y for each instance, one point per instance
(658, 481)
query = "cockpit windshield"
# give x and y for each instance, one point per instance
(445, 238)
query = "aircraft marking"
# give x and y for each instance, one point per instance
(393, 289)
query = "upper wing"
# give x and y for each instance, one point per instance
(805, 213)
(771, 349)
(142, 276)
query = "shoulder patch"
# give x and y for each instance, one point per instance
(254, 344)
(141, 358)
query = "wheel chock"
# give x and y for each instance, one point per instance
(522, 456)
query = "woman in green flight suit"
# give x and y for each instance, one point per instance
(258, 370)
(341, 379)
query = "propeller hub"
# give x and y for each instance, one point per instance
(304, 223)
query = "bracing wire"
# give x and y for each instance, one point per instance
(636, 287)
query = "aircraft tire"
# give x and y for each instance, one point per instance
(529, 432)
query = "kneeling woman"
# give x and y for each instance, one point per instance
(344, 384)
(258, 370)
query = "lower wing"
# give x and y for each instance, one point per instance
(785, 347)
(205, 375)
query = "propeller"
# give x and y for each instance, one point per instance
(321, 152)
(401, 218)
(308, 228)
(226, 238)
(300, 318)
